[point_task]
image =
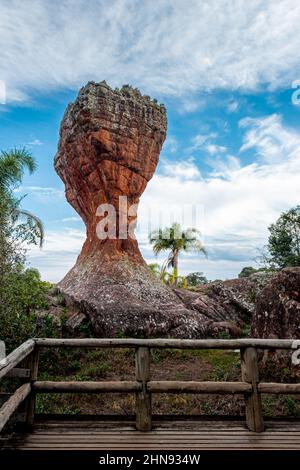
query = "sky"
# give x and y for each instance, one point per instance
(228, 73)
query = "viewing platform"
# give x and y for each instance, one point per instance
(144, 431)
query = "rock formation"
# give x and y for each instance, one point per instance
(109, 147)
(277, 313)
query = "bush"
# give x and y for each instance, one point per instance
(22, 294)
(247, 271)
(196, 279)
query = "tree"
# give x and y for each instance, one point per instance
(17, 226)
(284, 240)
(14, 220)
(175, 239)
(247, 271)
(196, 279)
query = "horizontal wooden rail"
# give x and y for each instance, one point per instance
(277, 388)
(11, 405)
(16, 357)
(168, 343)
(198, 387)
(86, 387)
(152, 387)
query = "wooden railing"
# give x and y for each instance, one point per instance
(143, 386)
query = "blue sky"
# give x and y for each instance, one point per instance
(224, 70)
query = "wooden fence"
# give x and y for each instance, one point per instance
(143, 386)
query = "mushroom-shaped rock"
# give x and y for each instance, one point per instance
(109, 147)
(110, 141)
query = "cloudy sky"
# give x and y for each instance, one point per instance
(229, 75)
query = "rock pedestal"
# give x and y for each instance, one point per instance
(109, 147)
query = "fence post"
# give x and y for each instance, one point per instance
(33, 363)
(143, 398)
(250, 374)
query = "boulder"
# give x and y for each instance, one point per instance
(277, 313)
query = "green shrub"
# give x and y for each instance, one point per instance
(22, 294)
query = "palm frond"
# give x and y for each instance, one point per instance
(38, 224)
(13, 165)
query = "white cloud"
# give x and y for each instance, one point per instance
(59, 253)
(35, 142)
(272, 141)
(42, 193)
(224, 167)
(183, 170)
(166, 48)
(200, 139)
(71, 219)
(215, 149)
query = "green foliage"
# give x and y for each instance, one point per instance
(12, 167)
(246, 331)
(53, 403)
(247, 271)
(196, 279)
(17, 226)
(27, 291)
(174, 280)
(155, 269)
(284, 240)
(292, 407)
(24, 293)
(21, 291)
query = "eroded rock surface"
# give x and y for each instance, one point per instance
(277, 313)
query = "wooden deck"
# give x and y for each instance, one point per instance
(144, 431)
(193, 434)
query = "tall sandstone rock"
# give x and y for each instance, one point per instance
(109, 146)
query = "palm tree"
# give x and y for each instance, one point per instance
(175, 239)
(12, 167)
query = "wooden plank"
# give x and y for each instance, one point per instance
(86, 387)
(167, 343)
(199, 387)
(250, 374)
(167, 438)
(270, 387)
(146, 437)
(16, 357)
(143, 397)
(11, 405)
(177, 445)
